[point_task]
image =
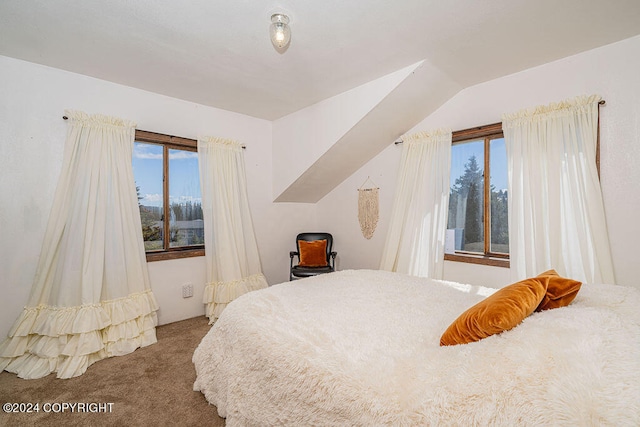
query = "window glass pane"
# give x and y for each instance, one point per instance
(186, 225)
(499, 220)
(147, 171)
(466, 199)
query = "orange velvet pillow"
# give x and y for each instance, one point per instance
(313, 253)
(560, 292)
(499, 312)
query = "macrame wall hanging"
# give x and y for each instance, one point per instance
(368, 208)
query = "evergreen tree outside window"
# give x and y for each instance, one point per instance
(168, 185)
(477, 220)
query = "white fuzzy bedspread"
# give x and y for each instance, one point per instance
(361, 347)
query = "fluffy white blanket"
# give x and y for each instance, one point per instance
(362, 347)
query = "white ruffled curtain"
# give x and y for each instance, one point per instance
(233, 262)
(415, 240)
(90, 297)
(556, 211)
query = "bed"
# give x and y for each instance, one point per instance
(362, 347)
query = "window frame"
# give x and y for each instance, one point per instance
(169, 142)
(495, 259)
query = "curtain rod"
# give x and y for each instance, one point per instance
(602, 102)
(67, 118)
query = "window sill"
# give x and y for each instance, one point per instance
(163, 256)
(478, 259)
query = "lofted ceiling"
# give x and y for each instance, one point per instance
(218, 53)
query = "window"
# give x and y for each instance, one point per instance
(477, 224)
(168, 184)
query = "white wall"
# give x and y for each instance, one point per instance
(300, 138)
(338, 212)
(32, 133)
(610, 71)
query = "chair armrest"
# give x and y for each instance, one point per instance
(333, 259)
(291, 255)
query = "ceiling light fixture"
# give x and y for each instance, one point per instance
(280, 31)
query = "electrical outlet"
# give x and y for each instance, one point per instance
(187, 290)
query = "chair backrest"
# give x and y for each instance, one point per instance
(309, 237)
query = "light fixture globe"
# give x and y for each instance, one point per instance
(279, 30)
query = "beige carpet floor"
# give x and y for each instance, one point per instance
(151, 386)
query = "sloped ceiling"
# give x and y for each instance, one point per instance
(420, 92)
(218, 53)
